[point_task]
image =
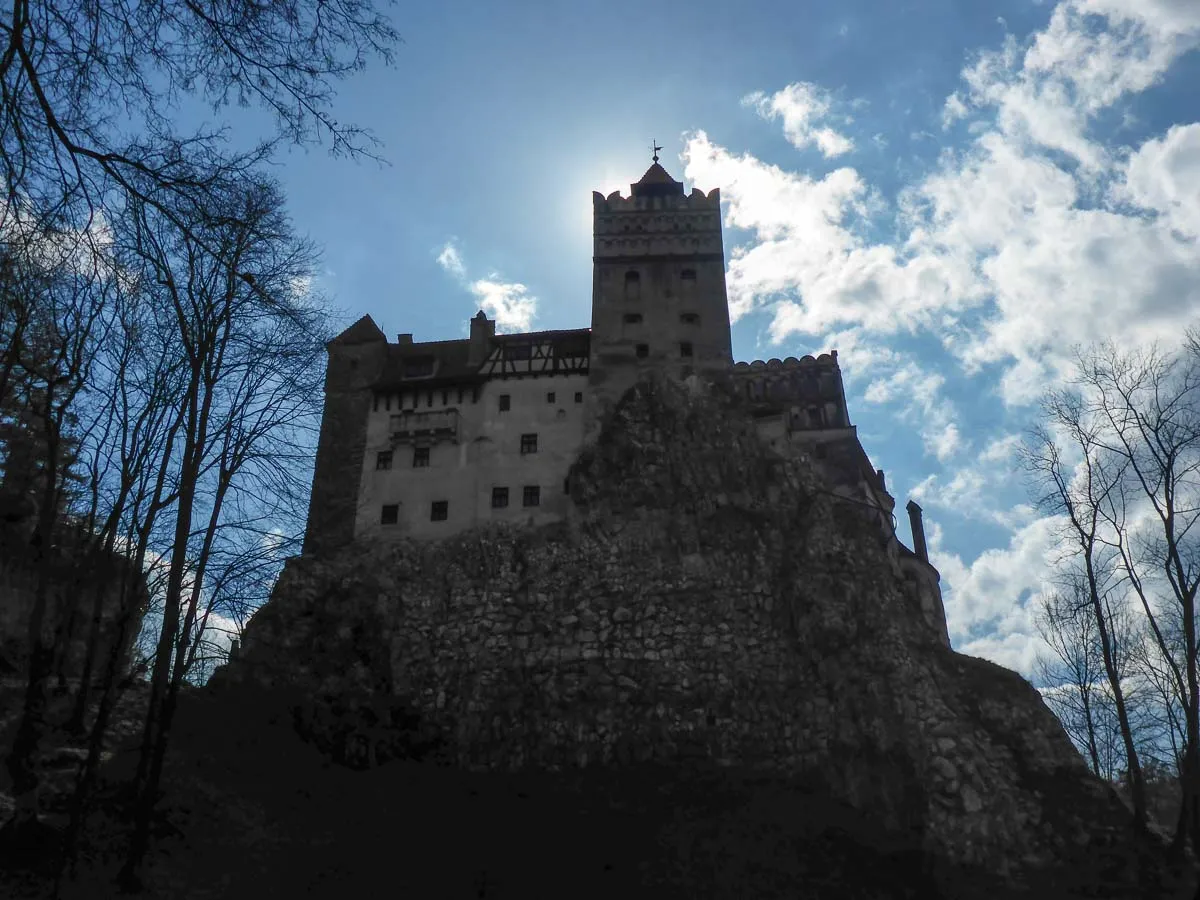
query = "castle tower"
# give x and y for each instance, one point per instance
(658, 286)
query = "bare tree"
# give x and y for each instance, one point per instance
(76, 75)
(1146, 404)
(1074, 673)
(1078, 494)
(251, 349)
(56, 367)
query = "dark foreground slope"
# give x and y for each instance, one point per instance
(251, 811)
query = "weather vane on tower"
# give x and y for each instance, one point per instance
(654, 146)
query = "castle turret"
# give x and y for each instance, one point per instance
(356, 359)
(658, 286)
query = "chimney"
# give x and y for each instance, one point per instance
(918, 531)
(404, 340)
(483, 330)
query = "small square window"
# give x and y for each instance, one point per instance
(550, 397)
(643, 350)
(383, 459)
(685, 350)
(529, 443)
(499, 497)
(633, 318)
(505, 402)
(579, 396)
(532, 495)
(439, 511)
(420, 457)
(389, 514)
(689, 318)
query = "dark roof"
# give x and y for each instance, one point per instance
(451, 359)
(361, 332)
(656, 183)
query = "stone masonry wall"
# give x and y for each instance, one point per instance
(709, 601)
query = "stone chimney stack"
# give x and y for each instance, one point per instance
(918, 531)
(483, 330)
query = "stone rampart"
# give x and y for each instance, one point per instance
(708, 602)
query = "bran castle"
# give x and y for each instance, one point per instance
(427, 439)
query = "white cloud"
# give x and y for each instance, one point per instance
(508, 302)
(802, 107)
(1164, 176)
(1014, 248)
(918, 394)
(990, 602)
(451, 260)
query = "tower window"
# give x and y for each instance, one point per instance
(633, 285)
(505, 402)
(529, 443)
(642, 350)
(688, 275)
(499, 497)
(633, 318)
(389, 514)
(532, 495)
(439, 511)
(689, 318)
(420, 457)
(579, 396)
(685, 349)
(383, 459)
(550, 397)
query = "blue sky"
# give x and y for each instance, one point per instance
(949, 192)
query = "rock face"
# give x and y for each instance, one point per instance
(711, 603)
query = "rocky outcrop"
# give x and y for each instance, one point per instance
(710, 603)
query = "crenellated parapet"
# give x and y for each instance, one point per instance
(616, 203)
(657, 225)
(809, 389)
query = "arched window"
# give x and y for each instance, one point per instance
(633, 285)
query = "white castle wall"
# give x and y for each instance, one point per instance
(487, 455)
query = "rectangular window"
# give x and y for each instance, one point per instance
(685, 350)
(420, 457)
(499, 497)
(460, 395)
(389, 514)
(532, 495)
(505, 402)
(633, 318)
(579, 396)
(445, 398)
(529, 443)
(383, 459)
(643, 350)
(439, 511)
(550, 397)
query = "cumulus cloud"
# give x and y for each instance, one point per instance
(508, 302)
(990, 602)
(802, 107)
(1039, 232)
(917, 394)
(1034, 236)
